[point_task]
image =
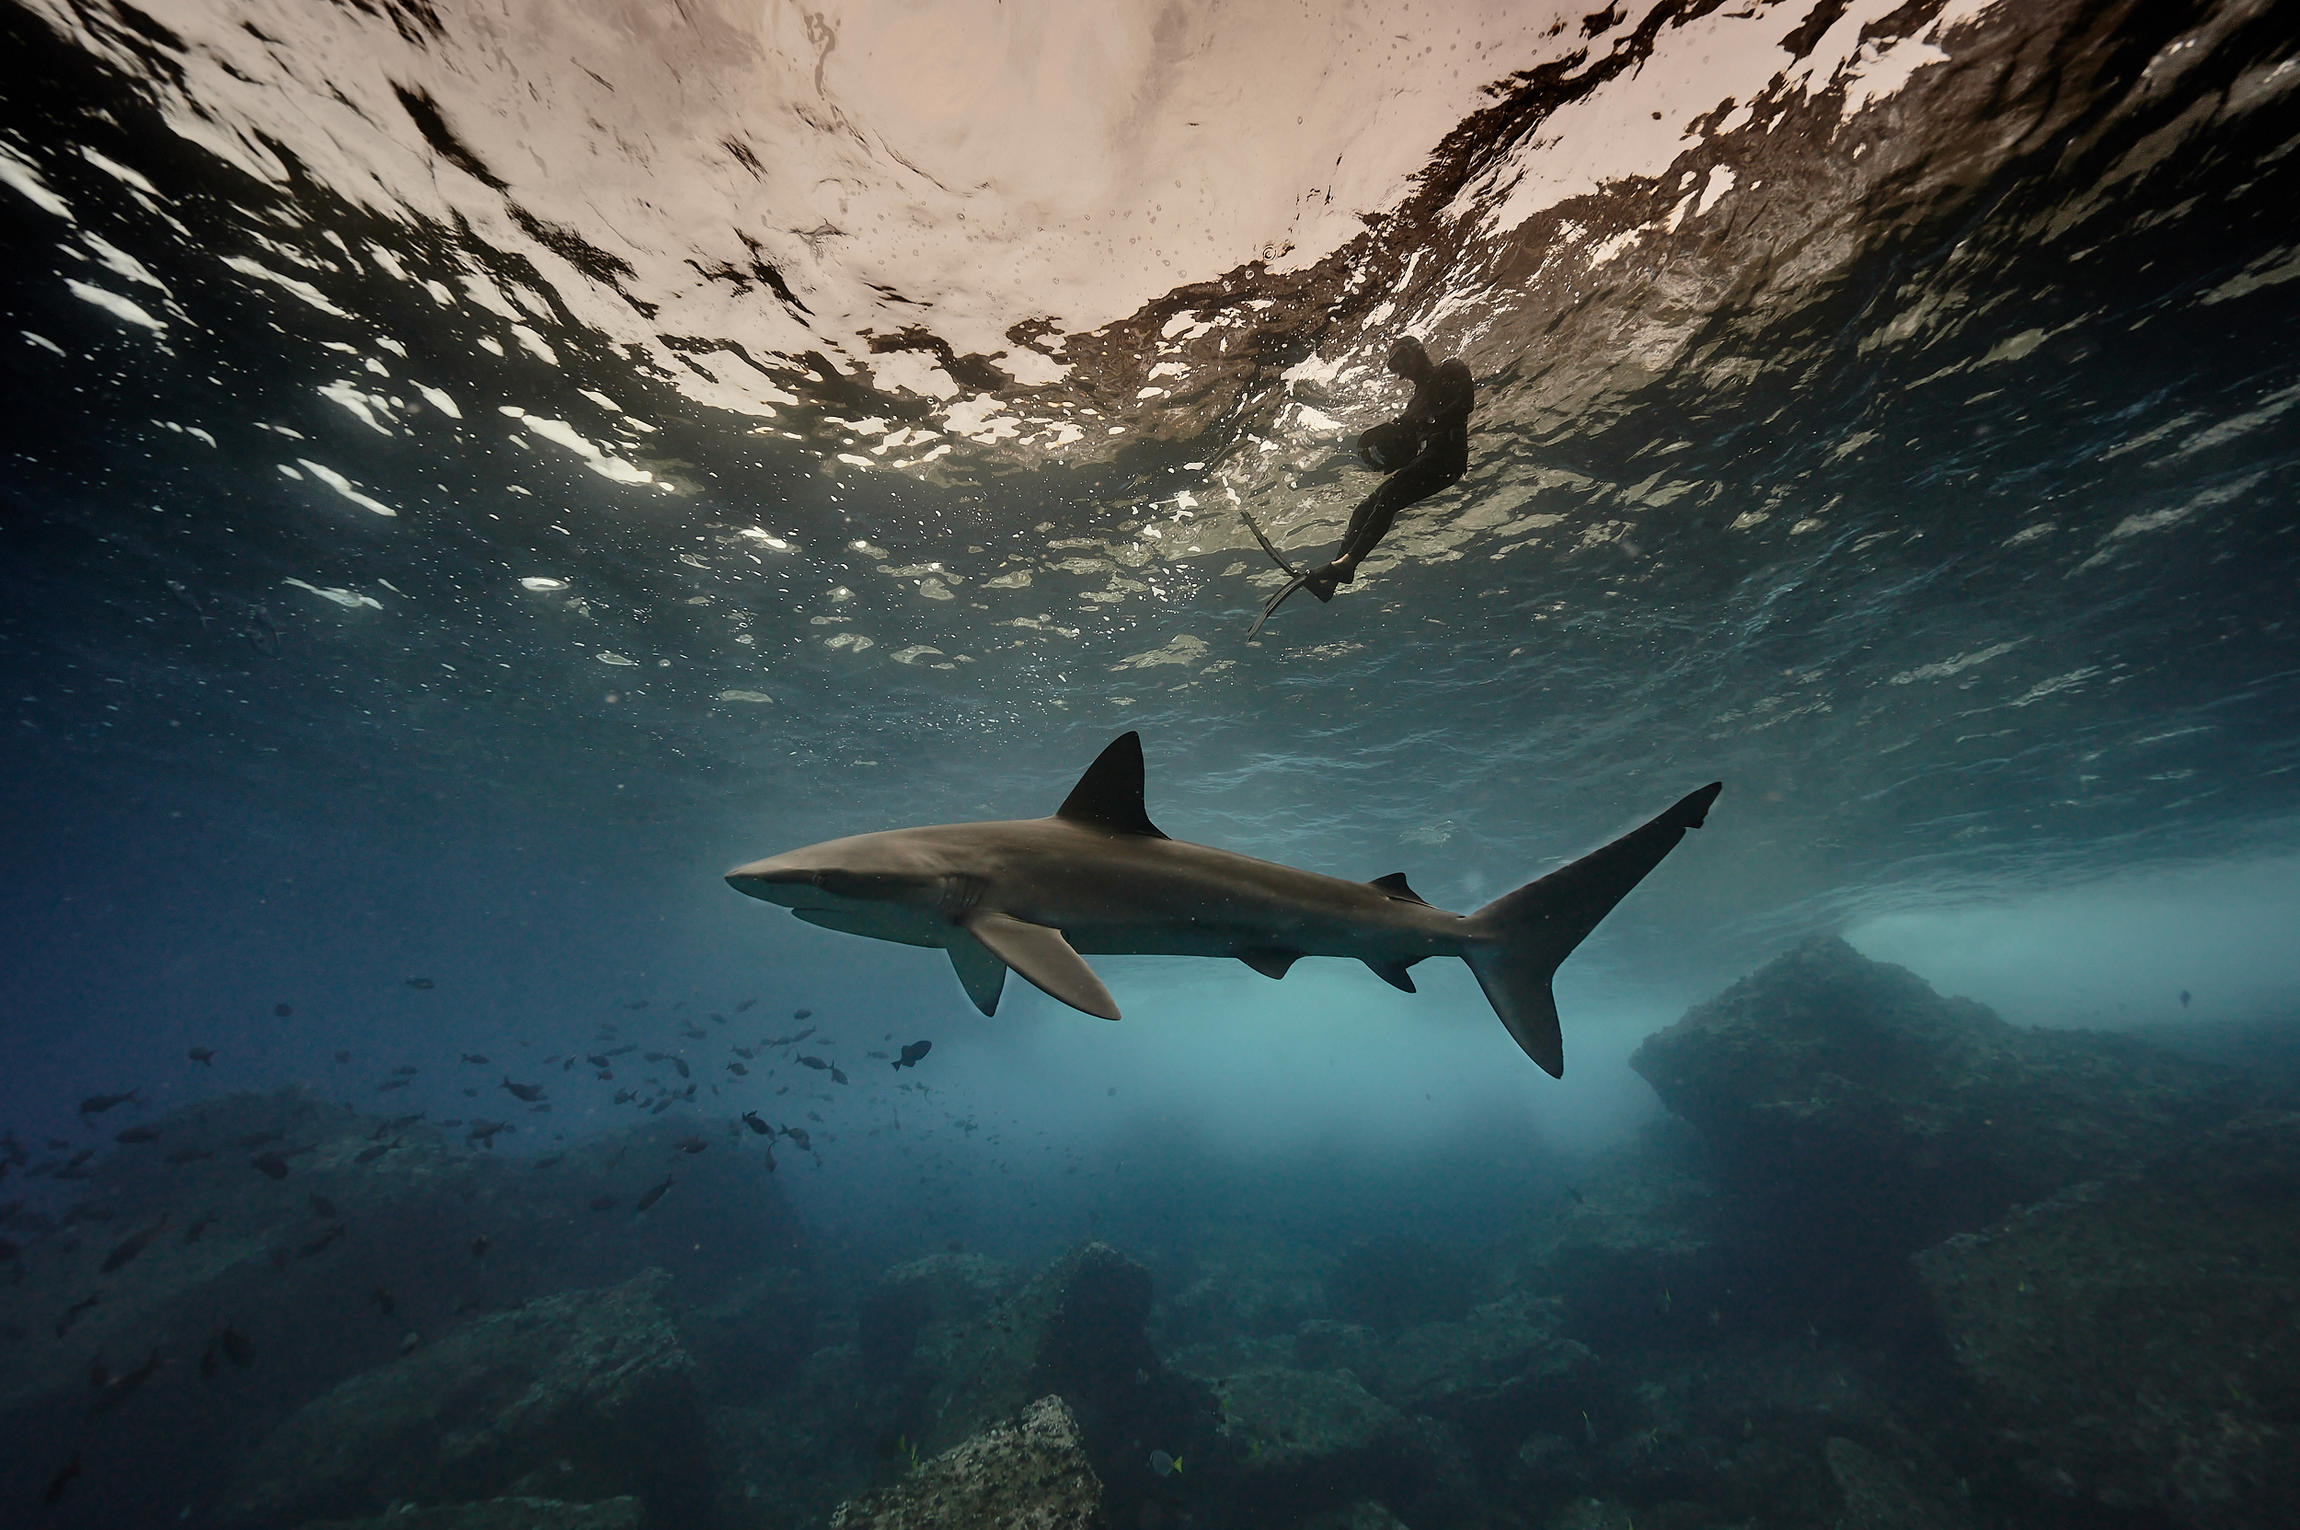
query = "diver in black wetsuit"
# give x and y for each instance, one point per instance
(1424, 450)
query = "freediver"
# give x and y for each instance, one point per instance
(1424, 451)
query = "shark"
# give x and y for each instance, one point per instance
(1097, 877)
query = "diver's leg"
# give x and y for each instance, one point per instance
(1426, 475)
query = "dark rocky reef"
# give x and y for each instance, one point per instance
(1030, 1474)
(2133, 1344)
(1854, 1091)
(256, 1294)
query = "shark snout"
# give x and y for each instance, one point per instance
(773, 880)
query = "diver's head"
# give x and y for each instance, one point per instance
(1408, 359)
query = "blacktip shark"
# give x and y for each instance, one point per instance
(1099, 878)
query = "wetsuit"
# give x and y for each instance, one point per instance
(1428, 446)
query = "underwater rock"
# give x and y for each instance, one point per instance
(1303, 1439)
(1851, 1093)
(587, 1394)
(1358, 1516)
(1075, 1330)
(311, 1307)
(939, 1289)
(1502, 1365)
(1638, 1248)
(1880, 1496)
(1388, 1283)
(1029, 1474)
(2134, 1343)
(499, 1514)
(751, 1338)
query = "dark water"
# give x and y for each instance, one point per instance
(474, 475)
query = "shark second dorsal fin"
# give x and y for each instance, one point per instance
(1395, 885)
(1046, 959)
(1109, 795)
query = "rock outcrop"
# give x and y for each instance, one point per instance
(1850, 1091)
(584, 1395)
(499, 1514)
(1028, 1474)
(2133, 1344)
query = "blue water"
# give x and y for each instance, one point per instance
(1936, 497)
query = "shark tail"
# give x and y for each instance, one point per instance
(1521, 938)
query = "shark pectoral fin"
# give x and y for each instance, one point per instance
(1393, 973)
(1271, 964)
(1045, 958)
(979, 970)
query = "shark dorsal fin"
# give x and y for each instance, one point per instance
(1395, 885)
(1109, 795)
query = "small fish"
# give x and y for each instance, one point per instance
(530, 1093)
(258, 1139)
(283, 1010)
(383, 1301)
(405, 1070)
(635, 1003)
(798, 1135)
(802, 1014)
(691, 1144)
(745, 1053)
(599, 1060)
(72, 1313)
(746, 1004)
(130, 1247)
(372, 1153)
(2184, 997)
(322, 1207)
(204, 1056)
(62, 1480)
(1164, 1465)
(1573, 1193)
(235, 1346)
(421, 982)
(479, 1247)
(97, 1104)
(484, 1132)
(717, 1018)
(625, 1096)
(135, 1134)
(187, 1155)
(117, 1390)
(837, 1076)
(654, 1195)
(680, 1063)
(343, 1056)
(390, 1084)
(328, 1235)
(272, 1164)
(912, 1053)
(815, 1063)
(199, 1225)
(738, 1070)
(476, 1057)
(603, 1203)
(751, 1120)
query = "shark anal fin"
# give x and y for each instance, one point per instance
(1271, 964)
(1109, 795)
(1045, 958)
(1393, 973)
(1395, 885)
(979, 970)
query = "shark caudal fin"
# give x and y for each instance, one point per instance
(1523, 936)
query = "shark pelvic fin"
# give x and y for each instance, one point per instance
(1271, 964)
(1395, 885)
(1045, 958)
(980, 972)
(1109, 795)
(1394, 973)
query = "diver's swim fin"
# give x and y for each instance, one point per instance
(1267, 545)
(1270, 606)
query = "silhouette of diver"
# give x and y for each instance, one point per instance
(1424, 450)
